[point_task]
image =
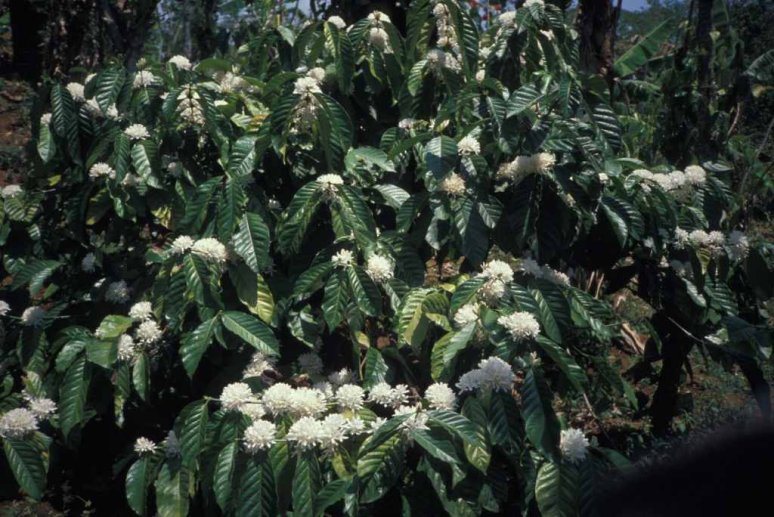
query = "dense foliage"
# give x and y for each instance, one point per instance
(352, 267)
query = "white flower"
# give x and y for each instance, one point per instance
(380, 268)
(406, 123)
(45, 119)
(126, 348)
(533, 2)
(306, 86)
(88, 263)
(93, 108)
(182, 62)
(573, 444)
(328, 180)
(230, 82)
(41, 408)
(381, 393)
(144, 446)
(682, 238)
(306, 433)
(33, 316)
(531, 267)
(739, 245)
(236, 395)
(492, 291)
(259, 363)
(18, 423)
(310, 363)
(354, 426)
(181, 244)
(101, 169)
(480, 76)
(436, 59)
(278, 398)
(343, 376)
(350, 396)
(333, 431)
(520, 325)
(253, 410)
(453, 184)
(317, 73)
(141, 311)
(338, 22)
(148, 332)
(4, 308)
(379, 38)
(507, 19)
(440, 396)
(10, 191)
(416, 422)
(492, 374)
(143, 79)
(137, 132)
(543, 162)
(498, 270)
(112, 112)
(117, 292)
(378, 17)
(554, 276)
(342, 259)
(468, 145)
(307, 402)
(76, 91)
(695, 175)
(211, 249)
(260, 435)
(466, 315)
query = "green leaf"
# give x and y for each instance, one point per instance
(241, 161)
(252, 241)
(522, 99)
(540, 420)
(441, 156)
(306, 482)
(223, 476)
(477, 449)
(252, 330)
(375, 368)
(312, 279)
(297, 216)
(256, 489)
(113, 326)
(141, 376)
(367, 295)
(72, 396)
(565, 362)
(557, 490)
(458, 342)
(196, 343)
(194, 430)
(644, 50)
(27, 464)
(335, 300)
(330, 495)
(46, 146)
(137, 481)
(144, 156)
(172, 486)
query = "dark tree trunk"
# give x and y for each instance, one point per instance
(674, 352)
(204, 29)
(27, 28)
(704, 48)
(596, 25)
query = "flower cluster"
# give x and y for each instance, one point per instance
(189, 106)
(466, 315)
(33, 316)
(447, 36)
(468, 145)
(530, 267)
(440, 396)
(520, 325)
(181, 62)
(522, 166)
(210, 249)
(380, 268)
(573, 444)
(453, 185)
(137, 132)
(343, 258)
(10, 191)
(117, 292)
(144, 78)
(377, 35)
(492, 374)
(388, 396)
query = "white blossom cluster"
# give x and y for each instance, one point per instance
(144, 446)
(33, 316)
(10, 191)
(380, 268)
(338, 22)
(520, 325)
(712, 241)
(181, 62)
(259, 363)
(676, 182)
(453, 185)
(230, 82)
(144, 78)
(102, 170)
(342, 259)
(738, 245)
(137, 132)
(189, 107)
(76, 91)
(573, 444)
(530, 267)
(492, 374)
(377, 35)
(4, 308)
(329, 185)
(466, 315)
(468, 145)
(117, 292)
(259, 436)
(211, 249)
(19, 423)
(388, 396)
(498, 275)
(440, 396)
(438, 59)
(236, 396)
(447, 36)
(522, 166)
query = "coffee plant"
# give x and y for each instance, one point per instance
(351, 267)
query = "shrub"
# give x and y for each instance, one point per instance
(350, 266)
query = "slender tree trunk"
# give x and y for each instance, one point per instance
(596, 26)
(27, 27)
(204, 33)
(704, 47)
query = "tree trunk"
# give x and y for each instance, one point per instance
(27, 27)
(704, 48)
(204, 29)
(674, 351)
(596, 26)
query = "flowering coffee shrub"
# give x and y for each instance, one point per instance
(351, 266)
